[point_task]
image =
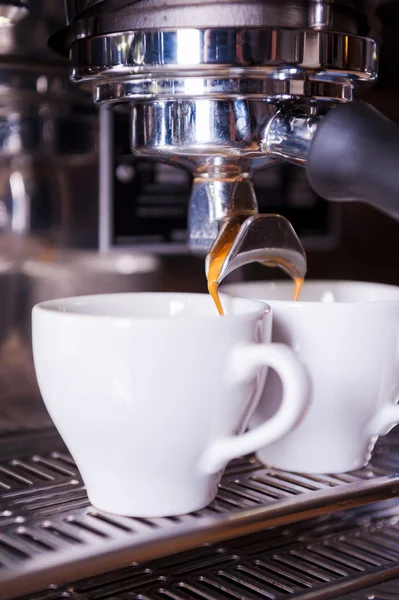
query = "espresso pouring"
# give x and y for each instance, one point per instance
(218, 255)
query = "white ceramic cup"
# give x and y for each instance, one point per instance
(152, 392)
(347, 335)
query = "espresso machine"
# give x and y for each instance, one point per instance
(196, 100)
(224, 89)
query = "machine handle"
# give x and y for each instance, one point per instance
(354, 155)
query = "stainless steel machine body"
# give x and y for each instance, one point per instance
(220, 88)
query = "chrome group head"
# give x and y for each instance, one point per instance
(221, 88)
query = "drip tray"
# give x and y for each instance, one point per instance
(338, 557)
(49, 532)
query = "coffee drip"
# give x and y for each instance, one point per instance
(267, 239)
(218, 254)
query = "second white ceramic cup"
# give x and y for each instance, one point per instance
(347, 335)
(152, 392)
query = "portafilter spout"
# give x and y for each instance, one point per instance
(219, 193)
(224, 223)
(267, 239)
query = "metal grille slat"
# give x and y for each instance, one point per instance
(200, 565)
(193, 592)
(300, 482)
(370, 549)
(55, 465)
(59, 532)
(112, 522)
(164, 594)
(293, 577)
(279, 489)
(226, 591)
(351, 551)
(316, 565)
(239, 584)
(47, 497)
(63, 458)
(35, 539)
(120, 587)
(241, 495)
(383, 542)
(33, 470)
(12, 477)
(342, 560)
(275, 582)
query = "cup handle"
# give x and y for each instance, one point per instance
(243, 363)
(386, 418)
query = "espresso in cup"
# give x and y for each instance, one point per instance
(347, 336)
(151, 393)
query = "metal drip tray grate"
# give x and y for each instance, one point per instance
(50, 533)
(324, 558)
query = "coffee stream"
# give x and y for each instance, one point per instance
(298, 283)
(216, 260)
(276, 261)
(218, 256)
(215, 267)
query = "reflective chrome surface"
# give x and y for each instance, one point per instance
(288, 136)
(276, 53)
(219, 141)
(218, 193)
(204, 81)
(199, 128)
(249, 86)
(202, 95)
(268, 239)
(96, 17)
